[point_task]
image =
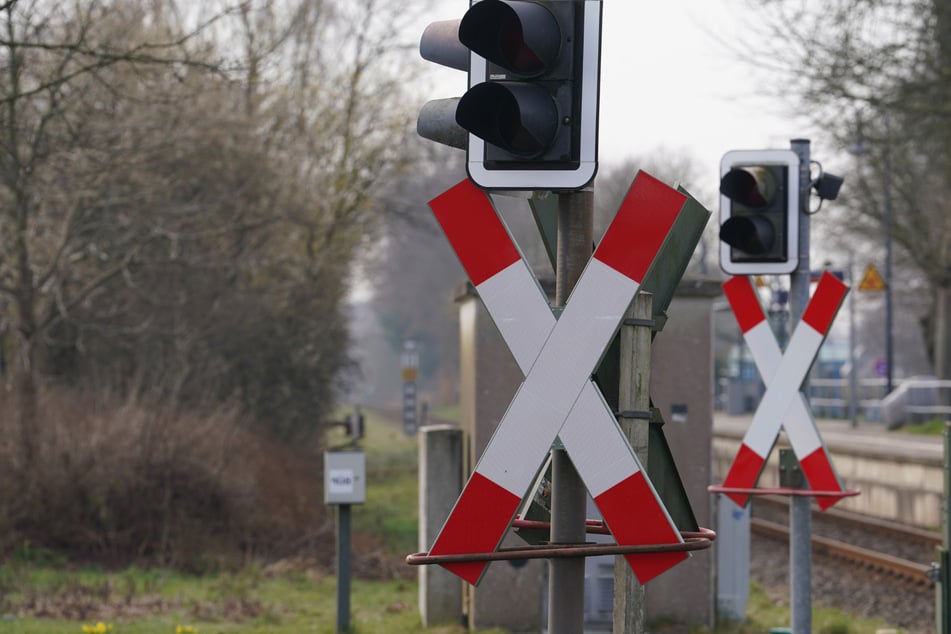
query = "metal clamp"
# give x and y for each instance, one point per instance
(636, 321)
(638, 414)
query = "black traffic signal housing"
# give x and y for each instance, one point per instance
(355, 425)
(759, 212)
(531, 111)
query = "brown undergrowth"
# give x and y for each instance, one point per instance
(117, 482)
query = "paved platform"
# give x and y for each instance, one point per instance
(871, 439)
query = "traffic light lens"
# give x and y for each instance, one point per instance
(516, 54)
(754, 235)
(509, 122)
(753, 190)
(521, 37)
(520, 118)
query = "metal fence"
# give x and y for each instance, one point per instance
(912, 400)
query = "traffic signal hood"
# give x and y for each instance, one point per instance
(531, 111)
(759, 212)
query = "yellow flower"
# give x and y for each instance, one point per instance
(98, 628)
(186, 629)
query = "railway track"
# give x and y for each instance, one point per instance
(895, 549)
(909, 570)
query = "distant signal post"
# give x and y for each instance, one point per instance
(410, 363)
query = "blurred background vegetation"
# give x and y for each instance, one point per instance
(209, 236)
(184, 191)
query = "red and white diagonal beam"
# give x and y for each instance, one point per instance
(590, 434)
(784, 405)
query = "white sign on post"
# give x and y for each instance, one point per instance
(344, 477)
(341, 482)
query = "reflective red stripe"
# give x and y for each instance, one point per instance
(640, 227)
(743, 474)
(473, 227)
(825, 303)
(818, 471)
(481, 515)
(744, 302)
(634, 517)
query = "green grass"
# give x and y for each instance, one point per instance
(932, 427)
(763, 614)
(446, 412)
(298, 602)
(249, 602)
(392, 508)
(255, 601)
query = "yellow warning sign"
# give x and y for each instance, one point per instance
(872, 280)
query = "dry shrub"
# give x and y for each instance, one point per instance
(120, 482)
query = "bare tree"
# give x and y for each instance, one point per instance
(54, 59)
(879, 72)
(185, 219)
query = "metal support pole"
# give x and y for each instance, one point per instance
(853, 370)
(887, 222)
(568, 493)
(343, 568)
(800, 507)
(630, 610)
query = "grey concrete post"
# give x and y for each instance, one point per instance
(733, 559)
(440, 483)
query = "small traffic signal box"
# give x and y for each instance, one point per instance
(759, 212)
(531, 111)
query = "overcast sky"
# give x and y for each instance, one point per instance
(670, 80)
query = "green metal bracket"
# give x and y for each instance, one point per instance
(661, 469)
(545, 211)
(662, 282)
(673, 259)
(790, 473)
(663, 474)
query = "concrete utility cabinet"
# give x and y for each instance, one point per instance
(682, 387)
(440, 483)
(733, 559)
(510, 594)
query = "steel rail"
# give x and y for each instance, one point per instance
(929, 537)
(904, 568)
